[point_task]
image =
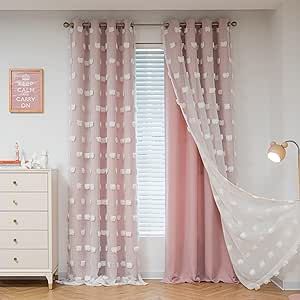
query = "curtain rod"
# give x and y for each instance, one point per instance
(182, 24)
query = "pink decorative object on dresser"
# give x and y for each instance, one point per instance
(15, 162)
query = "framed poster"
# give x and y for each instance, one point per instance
(26, 93)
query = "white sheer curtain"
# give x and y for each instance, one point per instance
(261, 234)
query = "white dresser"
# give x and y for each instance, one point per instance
(28, 223)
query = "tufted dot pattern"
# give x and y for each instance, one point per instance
(102, 196)
(201, 69)
(261, 234)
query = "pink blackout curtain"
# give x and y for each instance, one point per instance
(196, 249)
(103, 241)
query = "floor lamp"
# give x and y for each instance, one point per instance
(277, 152)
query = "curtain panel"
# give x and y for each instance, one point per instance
(199, 64)
(195, 246)
(261, 234)
(103, 239)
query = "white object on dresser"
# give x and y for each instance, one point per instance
(28, 223)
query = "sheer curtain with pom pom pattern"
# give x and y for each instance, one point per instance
(103, 241)
(261, 234)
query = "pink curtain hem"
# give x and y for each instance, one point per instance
(188, 279)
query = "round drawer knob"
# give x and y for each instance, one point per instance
(15, 182)
(15, 221)
(15, 241)
(16, 259)
(15, 202)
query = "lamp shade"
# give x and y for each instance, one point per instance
(276, 152)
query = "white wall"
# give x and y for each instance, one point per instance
(139, 5)
(37, 42)
(291, 79)
(37, 39)
(285, 24)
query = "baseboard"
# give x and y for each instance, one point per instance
(286, 285)
(152, 275)
(62, 275)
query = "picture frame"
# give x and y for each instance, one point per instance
(26, 90)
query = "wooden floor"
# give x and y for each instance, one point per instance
(38, 290)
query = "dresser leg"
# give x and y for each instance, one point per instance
(50, 280)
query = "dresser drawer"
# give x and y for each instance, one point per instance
(24, 259)
(23, 201)
(23, 220)
(23, 239)
(23, 182)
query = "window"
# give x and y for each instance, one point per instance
(150, 120)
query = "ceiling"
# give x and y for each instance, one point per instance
(138, 4)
